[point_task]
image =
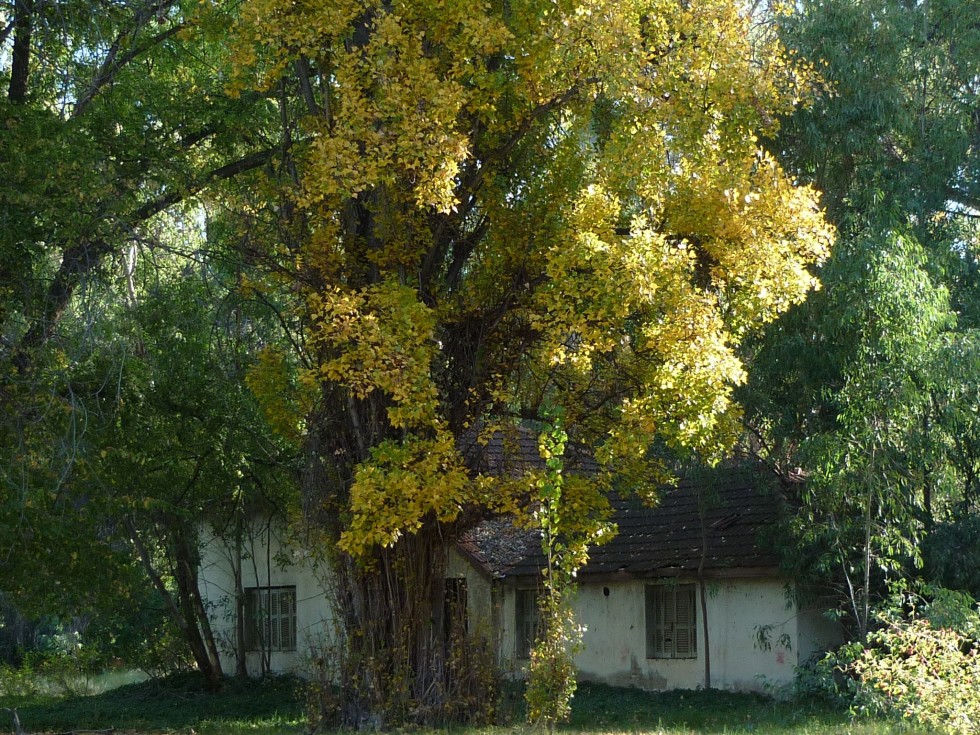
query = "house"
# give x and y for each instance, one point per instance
(687, 585)
(686, 588)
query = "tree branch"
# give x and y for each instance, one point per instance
(20, 55)
(111, 65)
(81, 259)
(964, 200)
(5, 33)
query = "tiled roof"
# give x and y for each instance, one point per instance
(513, 450)
(656, 541)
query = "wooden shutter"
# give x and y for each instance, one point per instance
(252, 609)
(287, 619)
(526, 621)
(685, 632)
(270, 618)
(671, 629)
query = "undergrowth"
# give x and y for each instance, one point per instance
(177, 703)
(274, 706)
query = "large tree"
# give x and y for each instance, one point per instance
(498, 208)
(867, 388)
(114, 114)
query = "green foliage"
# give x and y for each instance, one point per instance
(867, 391)
(951, 554)
(565, 540)
(18, 682)
(922, 673)
(123, 117)
(274, 706)
(175, 703)
(65, 669)
(551, 680)
(920, 664)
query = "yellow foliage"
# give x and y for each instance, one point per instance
(400, 486)
(510, 204)
(283, 406)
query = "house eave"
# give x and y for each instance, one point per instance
(721, 573)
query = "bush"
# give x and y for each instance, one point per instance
(18, 681)
(926, 674)
(922, 664)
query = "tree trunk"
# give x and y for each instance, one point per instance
(20, 55)
(183, 609)
(703, 593)
(192, 608)
(241, 659)
(385, 613)
(704, 627)
(395, 666)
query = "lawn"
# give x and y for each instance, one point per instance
(274, 707)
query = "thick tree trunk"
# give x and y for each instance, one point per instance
(20, 55)
(395, 664)
(400, 661)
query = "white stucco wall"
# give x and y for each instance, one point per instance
(266, 564)
(614, 645)
(277, 564)
(482, 605)
(818, 632)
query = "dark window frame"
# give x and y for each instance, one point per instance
(527, 620)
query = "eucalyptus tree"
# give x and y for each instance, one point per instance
(865, 387)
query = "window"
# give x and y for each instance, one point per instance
(526, 623)
(270, 619)
(671, 621)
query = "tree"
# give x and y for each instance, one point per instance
(861, 391)
(116, 126)
(168, 436)
(499, 207)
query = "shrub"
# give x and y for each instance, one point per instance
(923, 673)
(551, 676)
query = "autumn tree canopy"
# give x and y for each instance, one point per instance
(489, 208)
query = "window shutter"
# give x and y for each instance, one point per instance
(526, 623)
(270, 618)
(288, 612)
(671, 619)
(683, 646)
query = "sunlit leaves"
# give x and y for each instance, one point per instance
(551, 202)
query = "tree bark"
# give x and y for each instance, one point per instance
(241, 659)
(395, 662)
(192, 607)
(703, 593)
(182, 610)
(20, 56)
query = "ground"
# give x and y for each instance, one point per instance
(178, 706)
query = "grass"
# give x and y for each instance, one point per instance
(176, 704)
(274, 707)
